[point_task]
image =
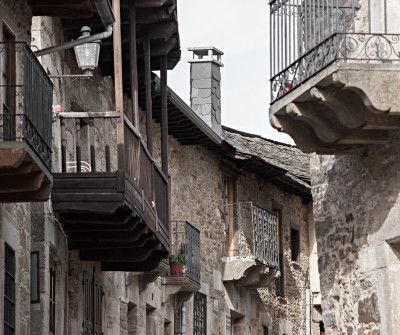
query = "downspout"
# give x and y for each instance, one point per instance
(308, 306)
(107, 17)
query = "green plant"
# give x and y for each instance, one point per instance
(176, 260)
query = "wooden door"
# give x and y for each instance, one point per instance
(229, 199)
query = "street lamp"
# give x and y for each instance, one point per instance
(87, 55)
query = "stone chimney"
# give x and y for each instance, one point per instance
(205, 85)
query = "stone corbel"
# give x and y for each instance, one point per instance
(145, 278)
(180, 287)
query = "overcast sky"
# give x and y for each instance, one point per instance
(240, 29)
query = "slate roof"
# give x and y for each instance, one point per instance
(281, 155)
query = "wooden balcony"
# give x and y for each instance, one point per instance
(335, 74)
(111, 196)
(252, 248)
(26, 94)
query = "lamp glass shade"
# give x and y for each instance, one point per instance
(87, 55)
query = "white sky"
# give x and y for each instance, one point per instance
(238, 28)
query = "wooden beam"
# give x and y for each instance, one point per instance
(120, 255)
(147, 73)
(119, 92)
(164, 114)
(133, 62)
(145, 3)
(158, 31)
(148, 264)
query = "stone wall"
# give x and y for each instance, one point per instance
(15, 219)
(356, 212)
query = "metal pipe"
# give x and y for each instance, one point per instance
(308, 305)
(107, 17)
(100, 36)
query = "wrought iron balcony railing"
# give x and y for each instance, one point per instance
(186, 248)
(308, 35)
(252, 231)
(26, 95)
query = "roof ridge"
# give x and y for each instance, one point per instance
(245, 134)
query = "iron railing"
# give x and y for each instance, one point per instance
(255, 232)
(186, 242)
(308, 35)
(27, 95)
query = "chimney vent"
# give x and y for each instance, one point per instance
(205, 85)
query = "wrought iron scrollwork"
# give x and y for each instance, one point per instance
(27, 104)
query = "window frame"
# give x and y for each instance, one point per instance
(9, 273)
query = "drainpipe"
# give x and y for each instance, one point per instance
(308, 306)
(107, 17)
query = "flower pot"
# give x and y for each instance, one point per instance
(176, 270)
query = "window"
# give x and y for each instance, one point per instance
(9, 291)
(280, 281)
(180, 323)
(92, 305)
(35, 278)
(200, 314)
(295, 245)
(229, 200)
(265, 330)
(52, 318)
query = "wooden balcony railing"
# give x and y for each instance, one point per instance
(108, 172)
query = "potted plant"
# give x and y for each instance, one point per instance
(176, 264)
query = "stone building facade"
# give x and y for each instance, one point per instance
(338, 107)
(212, 170)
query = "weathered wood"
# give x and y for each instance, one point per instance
(120, 217)
(94, 199)
(164, 115)
(85, 183)
(119, 103)
(118, 81)
(148, 264)
(133, 62)
(78, 145)
(107, 144)
(125, 254)
(157, 48)
(92, 143)
(147, 3)
(115, 236)
(147, 73)
(62, 205)
(83, 115)
(79, 245)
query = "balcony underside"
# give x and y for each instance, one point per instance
(246, 272)
(342, 108)
(23, 176)
(107, 219)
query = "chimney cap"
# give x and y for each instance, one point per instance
(205, 54)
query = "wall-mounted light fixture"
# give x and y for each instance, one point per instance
(87, 55)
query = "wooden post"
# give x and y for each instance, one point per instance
(164, 131)
(78, 144)
(63, 147)
(147, 78)
(92, 141)
(119, 101)
(133, 63)
(164, 115)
